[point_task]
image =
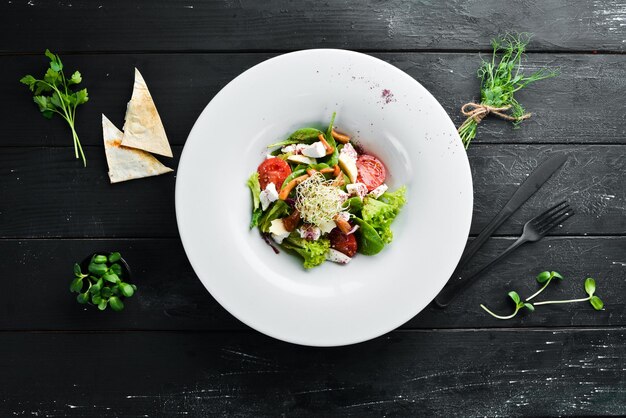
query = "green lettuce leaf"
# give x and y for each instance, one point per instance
(255, 188)
(380, 213)
(279, 209)
(313, 252)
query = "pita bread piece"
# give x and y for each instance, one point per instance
(143, 128)
(127, 163)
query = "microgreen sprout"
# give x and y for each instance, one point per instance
(102, 285)
(518, 305)
(545, 277)
(590, 288)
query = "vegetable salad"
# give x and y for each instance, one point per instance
(316, 196)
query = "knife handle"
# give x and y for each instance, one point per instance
(483, 237)
(457, 285)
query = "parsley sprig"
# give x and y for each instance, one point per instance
(53, 94)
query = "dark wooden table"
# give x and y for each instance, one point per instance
(174, 350)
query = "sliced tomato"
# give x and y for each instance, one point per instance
(371, 171)
(342, 242)
(273, 170)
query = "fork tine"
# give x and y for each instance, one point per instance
(554, 215)
(548, 212)
(556, 222)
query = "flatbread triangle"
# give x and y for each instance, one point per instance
(127, 163)
(143, 128)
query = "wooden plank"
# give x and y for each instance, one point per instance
(161, 25)
(574, 107)
(482, 373)
(52, 195)
(171, 297)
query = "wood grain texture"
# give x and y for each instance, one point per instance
(171, 297)
(582, 105)
(149, 25)
(52, 195)
(533, 372)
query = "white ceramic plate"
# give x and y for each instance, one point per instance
(393, 117)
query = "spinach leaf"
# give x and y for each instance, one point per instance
(299, 136)
(278, 210)
(368, 239)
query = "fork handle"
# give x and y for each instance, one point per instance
(458, 285)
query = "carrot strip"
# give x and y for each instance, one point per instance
(311, 171)
(284, 193)
(343, 225)
(329, 149)
(344, 139)
(336, 170)
(327, 170)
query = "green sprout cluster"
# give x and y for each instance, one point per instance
(545, 278)
(102, 285)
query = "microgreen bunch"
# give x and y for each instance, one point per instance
(518, 305)
(102, 285)
(53, 94)
(545, 278)
(500, 80)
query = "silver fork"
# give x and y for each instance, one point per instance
(534, 230)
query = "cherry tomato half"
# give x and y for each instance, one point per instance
(371, 171)
(342, 242)
(273, 170)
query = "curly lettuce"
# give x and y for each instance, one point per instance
(313, 252)
(380, 213)
(255, 189)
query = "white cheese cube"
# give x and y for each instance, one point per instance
(315, 150)
(278, 231)
(337, 256)
(378, 192)
(301, 159)
(310, 232)
(294, 148)
(347, 162)
(357, 189)
(327, 226)
(267, 196)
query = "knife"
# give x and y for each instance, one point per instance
(528, 188)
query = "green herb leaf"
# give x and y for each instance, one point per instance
(111, 277)
(114, 257)
(99, 259)
(117, 269)
(590, 286)
(97, 269)
(53, 95)
(513, 295)
(126, 289)
(556, 274)
(77, 285)
(115, 303)
(529, 306)
(77, 271)
(501, 79)
(597, 303)
(103, 304)
(76, 78)
(543, 277)
(83, 298)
